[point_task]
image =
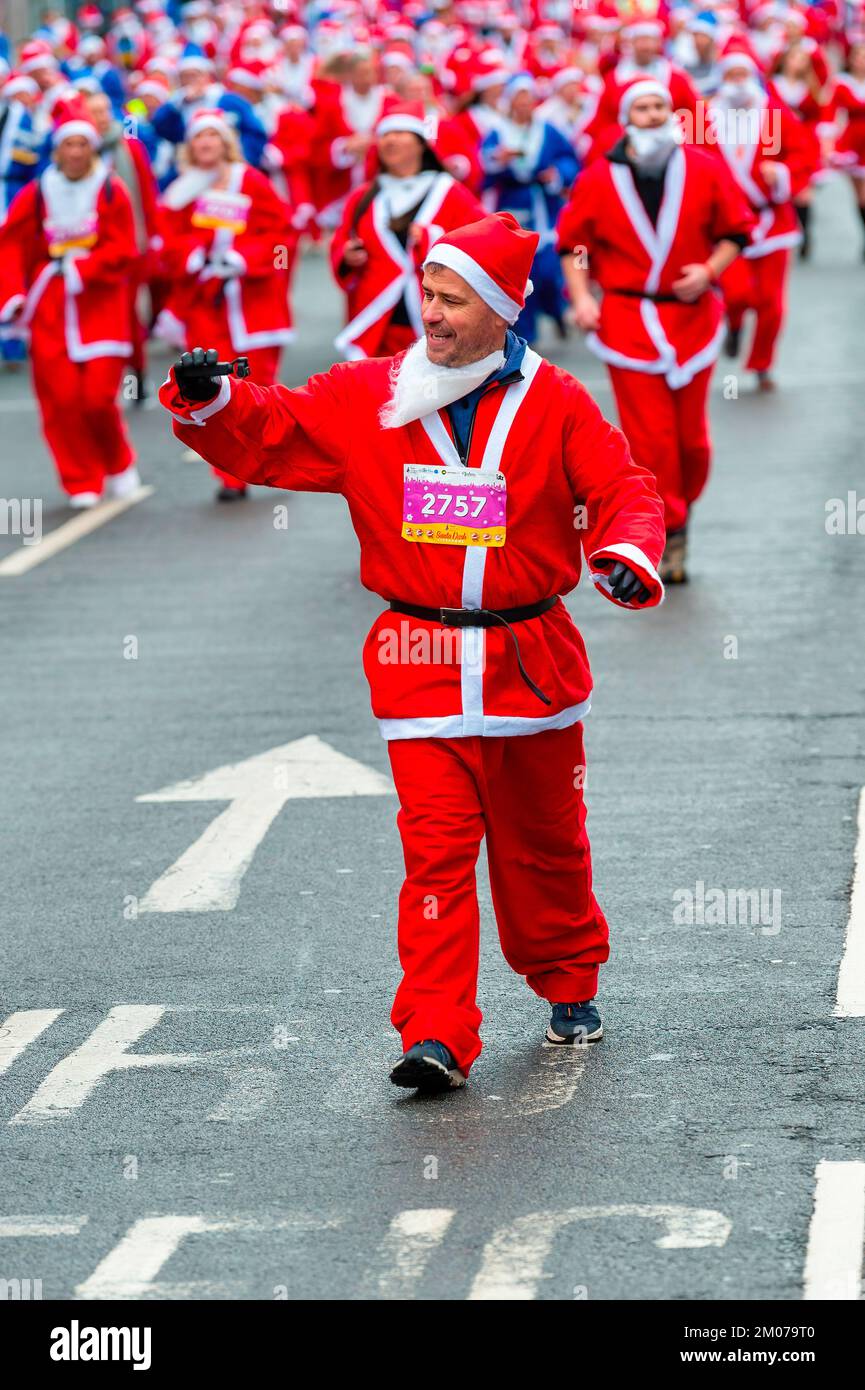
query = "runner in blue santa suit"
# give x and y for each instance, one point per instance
(200, 93)
(529, 165)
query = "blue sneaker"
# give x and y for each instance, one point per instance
(575, 1024)
(428, 1066)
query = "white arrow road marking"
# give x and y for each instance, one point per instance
(513, 1260)
(833, 1265)
(850, 1001)
(207, 877)
(74, 1078)
(407, 1248)
(28, 556)
(14, 1227)
(130, 1269)
(20, 1029)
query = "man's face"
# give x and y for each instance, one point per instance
(460, 328)
(74, 156)
(363, 76)
(194, 84)
(705, 46)
(44, 77)
(647, 113)
(522, 106)
(99, 111)
(645, 49)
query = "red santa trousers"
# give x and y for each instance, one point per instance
(81, 422)
(525, 794)
(668, 432)
(761, 285)
(263, 366)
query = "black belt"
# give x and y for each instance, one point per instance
(655, 298)
(484, 617)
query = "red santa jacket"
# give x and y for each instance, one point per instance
(289, 157)
(744, 140)
(241, 231)
(849, 97)
(67, 249)
(572, 488)
(636, 264)
(391, 271)
(335, 172)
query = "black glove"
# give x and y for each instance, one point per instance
(195, 385)
(626, 586)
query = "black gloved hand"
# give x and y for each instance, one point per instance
(197, 385)
(626, 586)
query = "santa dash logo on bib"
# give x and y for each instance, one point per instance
(222, 211)
(453, 506)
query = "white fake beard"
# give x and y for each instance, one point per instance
(420, 387)
(653, 147)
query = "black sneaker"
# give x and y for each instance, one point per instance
(231, 494)
(428, 1066)
(731, 342)
(576, 1025)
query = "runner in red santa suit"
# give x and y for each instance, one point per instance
(848, 102)
(346, 115)
(762, 146)
(476, 474)
(228, 246)
(797, 83)
(386, 232)
(654, 223)
(67, 248)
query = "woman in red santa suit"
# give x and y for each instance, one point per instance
(761, 144)
(67, 249)
(228, 245)
(797, 84)
(848, 102)
(386, 232)
(654, 223)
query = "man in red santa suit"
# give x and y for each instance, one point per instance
(770, 158)
(477, 477)
(387, 229)
(654, 223)
(345, 130)
(67, 249)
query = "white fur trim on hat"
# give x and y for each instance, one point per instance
(206, 120)
(20, 83)
(412, 124)
(475, 275)
(737, 60)
(497, 77)
(647, 87)
(76, 127)
(643, 29)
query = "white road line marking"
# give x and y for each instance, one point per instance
(20, 1029)
(28, 556)
(513, 1260)
(129, 1270)
(250, 1091)
(833, 1265)
(561, 1069)
(74, 1078)
(207, 877)
(850, 1000)
(406, 1250)
(18, 1227)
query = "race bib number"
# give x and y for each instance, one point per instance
(453, 506)
(228, 211)
(62, 236)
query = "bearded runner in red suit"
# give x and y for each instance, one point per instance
(477, 477)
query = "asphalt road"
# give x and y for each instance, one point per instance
(262, 1152)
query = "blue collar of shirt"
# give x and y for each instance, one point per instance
(462, 411)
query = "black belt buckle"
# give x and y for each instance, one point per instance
(454, 619)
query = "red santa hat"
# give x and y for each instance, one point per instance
(36, 54)
(90, 17)
(643, 87)
(213, 119)
(18, 83)
(74, 122)
(405, 116)
(494, 256)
